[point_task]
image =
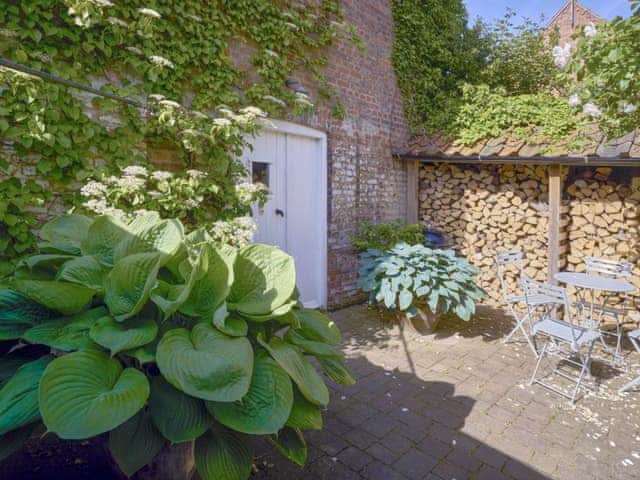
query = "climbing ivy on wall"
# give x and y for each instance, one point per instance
(193, 65)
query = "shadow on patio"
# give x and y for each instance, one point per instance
(393, 425)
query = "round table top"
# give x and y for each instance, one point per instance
(595, 282)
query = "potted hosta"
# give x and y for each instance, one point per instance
(165, 343)
(420, 284)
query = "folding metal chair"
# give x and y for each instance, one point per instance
(634, 336)
(614, 269)
(511, 262)
(566, 340)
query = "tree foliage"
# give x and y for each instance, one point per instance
(605, 73)
(433, 53)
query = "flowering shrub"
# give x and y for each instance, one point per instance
(603, 72)
(186, 196)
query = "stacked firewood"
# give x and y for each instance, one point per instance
(605, 222)
(484, 209)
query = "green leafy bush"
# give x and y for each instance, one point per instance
(152, 335)
(383, 236)
(410, 277)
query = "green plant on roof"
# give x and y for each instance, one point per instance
(154, 336)
(409, 277)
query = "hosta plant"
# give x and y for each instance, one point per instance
(154, 336)
(409, 278)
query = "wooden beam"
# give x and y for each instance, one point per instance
(555, 200)
(412, 191)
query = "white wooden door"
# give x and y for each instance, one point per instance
(291, 160)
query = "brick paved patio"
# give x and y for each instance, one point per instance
(457, 405)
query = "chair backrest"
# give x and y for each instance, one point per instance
(555, 294)
(611, 268)
(504, 260)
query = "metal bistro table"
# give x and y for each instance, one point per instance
(607, 286)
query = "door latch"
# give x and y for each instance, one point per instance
(279, 212)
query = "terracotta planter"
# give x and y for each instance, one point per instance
(425, 322)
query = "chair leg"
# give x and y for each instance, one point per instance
(586, 367)
(629, 386)
(540, 357)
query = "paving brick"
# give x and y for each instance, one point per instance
(380, 471)
(382, 453)
(487, 472)
(415, 464)
(355, 458)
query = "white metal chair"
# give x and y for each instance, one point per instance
(635, 338)
(563, 339)
(511, 262)
(620, 269)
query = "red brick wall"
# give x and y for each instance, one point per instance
(365, 182)
(562, 20)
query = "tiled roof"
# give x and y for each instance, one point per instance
(596, 145)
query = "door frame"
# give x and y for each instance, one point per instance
(289, 128)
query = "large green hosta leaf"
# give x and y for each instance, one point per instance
(162, 237)
(18, 314)
(19, 396)
(266, 406)
(128, 285)
(280, 314)
(231, 324)
(316, 326)
(66, 229)
(168, 297)
(337, 371)
(178, 416)
(304, 414)
(212, 287)
(265, 280)
(299, 369)
(290, 443)
(103, 236)
(69, 333)
(134, 443)
(318, 349)
(84, 394)
(66, 298)
(223, 455)
(119, 336)
(47, 261)
(86, 270)
(206, 363)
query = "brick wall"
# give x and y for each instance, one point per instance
(365, 182)
(566, 25)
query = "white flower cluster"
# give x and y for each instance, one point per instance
(196, 173)
(590, 30)
(149, 12)
(561, 55)
(592, 110)
(161, 61)
(247, 192)
(161, 175)
(237, 232)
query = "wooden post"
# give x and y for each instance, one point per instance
(412, 191)
(555, 199)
